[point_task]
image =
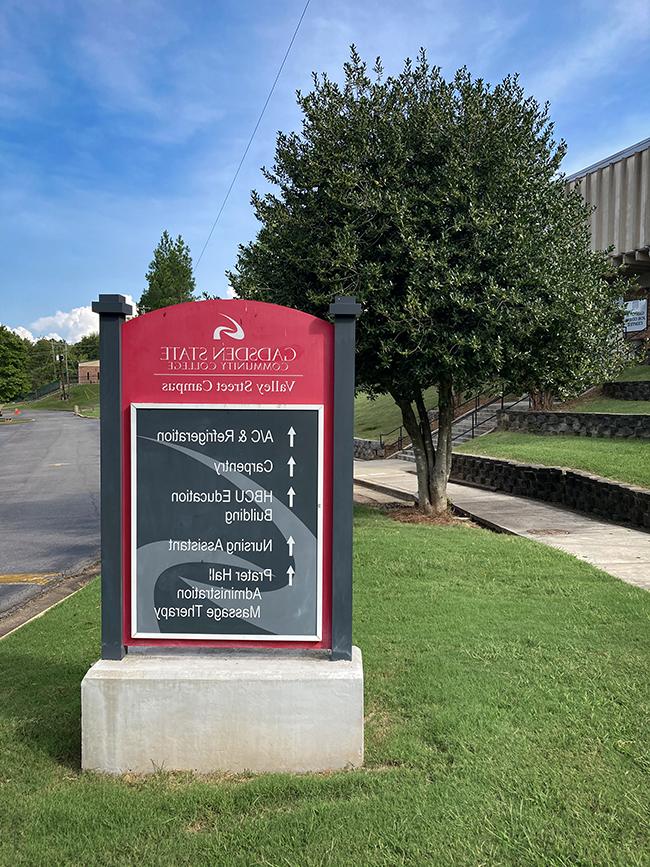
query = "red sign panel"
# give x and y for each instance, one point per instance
(227, 486)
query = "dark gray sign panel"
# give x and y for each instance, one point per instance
(226, 522)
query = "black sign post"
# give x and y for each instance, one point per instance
(345, 311)
(112, 310)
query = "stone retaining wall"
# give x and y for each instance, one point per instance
(627, 390)
(623, 504)
(368, 450)
(583, 424)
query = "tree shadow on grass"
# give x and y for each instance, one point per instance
(40, 705)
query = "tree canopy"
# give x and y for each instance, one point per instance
(441, 206)
(85, 349)
(14, 378)
(169, 278)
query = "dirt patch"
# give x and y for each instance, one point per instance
(411, 515)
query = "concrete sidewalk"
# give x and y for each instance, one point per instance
(623, 552)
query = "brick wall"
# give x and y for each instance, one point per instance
(584, 424)
(627, 390)
(88, 372)
(368, 450)
(623, 504)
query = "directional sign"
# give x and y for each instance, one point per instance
(227, 421)
(223, 546)
(636, 315)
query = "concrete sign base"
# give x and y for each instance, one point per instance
(232, 712)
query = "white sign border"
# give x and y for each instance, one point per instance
(641, 315)
(175, 636)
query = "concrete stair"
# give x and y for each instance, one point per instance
(461, 430)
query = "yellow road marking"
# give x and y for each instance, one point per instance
(25, 578)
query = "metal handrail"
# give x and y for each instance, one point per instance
(403, 439)
(475, 422)
(399, 428)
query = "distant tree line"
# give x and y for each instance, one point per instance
(27, 366)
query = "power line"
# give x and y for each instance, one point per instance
(252, 136)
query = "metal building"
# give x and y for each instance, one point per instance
(619, 189)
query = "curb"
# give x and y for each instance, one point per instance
(51, 596)
(483, 522)
(385, 489)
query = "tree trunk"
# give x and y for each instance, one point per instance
(427, 440)
(424, 455)
(541, 399)
(442, 468)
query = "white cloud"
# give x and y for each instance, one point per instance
(22, 332)
(70, 326)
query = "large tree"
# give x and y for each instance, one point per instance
(439, 204)
(14, 376)
(85, 349)
(169, 278)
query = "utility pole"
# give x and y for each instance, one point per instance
(61, 361)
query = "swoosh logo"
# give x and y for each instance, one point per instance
(237, 333)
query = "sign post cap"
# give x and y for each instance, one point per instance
(112, 304)
(345, 305)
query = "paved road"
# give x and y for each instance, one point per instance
(49, 501)
(621, 551)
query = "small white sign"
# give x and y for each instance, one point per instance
(636, 315)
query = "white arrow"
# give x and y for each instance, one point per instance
(292, 434)
(291, 572)
(292, 464)
(291, 542)
(291, 494)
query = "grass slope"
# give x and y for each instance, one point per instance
(619, 459)
(85, 396)
(382, 415)
(608, 404)
(506, 706)
(635, 373)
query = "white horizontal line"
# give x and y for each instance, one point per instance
(275, 375)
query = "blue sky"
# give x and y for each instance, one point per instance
(120, 119)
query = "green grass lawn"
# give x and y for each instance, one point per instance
(85, 396)
(608, 404)
(620, 459)
(635, 373)
(506, 708)
(381, 415)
